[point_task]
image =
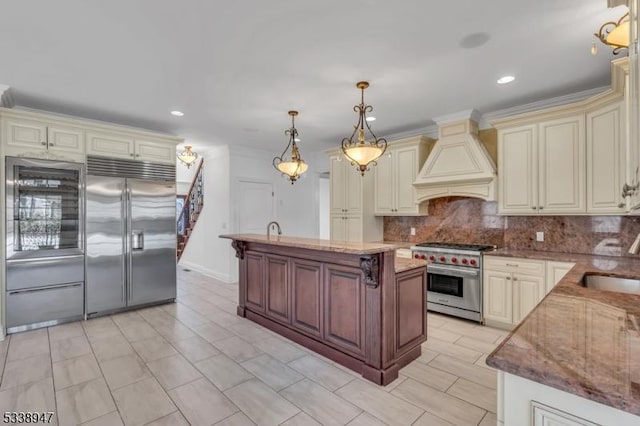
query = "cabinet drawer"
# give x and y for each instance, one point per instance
(109, 145)
(156, 152)
(404, 253)
(39, 305)
(515, 265)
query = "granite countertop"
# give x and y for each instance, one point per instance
(313, 243)
(404, 264)
(580, 340)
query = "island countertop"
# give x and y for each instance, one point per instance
(580, 340)
(314, 244)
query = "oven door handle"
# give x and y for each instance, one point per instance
(449, 270)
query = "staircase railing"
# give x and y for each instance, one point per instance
(191, 209)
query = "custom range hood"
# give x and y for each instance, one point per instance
(458, 165)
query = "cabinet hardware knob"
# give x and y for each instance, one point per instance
(43, 143)
(540, 208)
(621, 205)
(512, 264)
(509, 278)
(131, 154)
(51, 144)
(137, 155)
(515, 278)
(533, 207)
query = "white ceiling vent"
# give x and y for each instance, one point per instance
(459, 165)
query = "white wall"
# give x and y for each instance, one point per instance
(296, 206)
(205, 252)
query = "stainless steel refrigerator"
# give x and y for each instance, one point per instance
(131, 234)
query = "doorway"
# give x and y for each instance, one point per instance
(255, 206)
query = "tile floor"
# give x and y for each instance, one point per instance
(196, 362)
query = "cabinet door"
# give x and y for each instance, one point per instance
(406, 170)
(337, 228)
(156, 152)
(110, 145)
(555, 272)
(353, 189)
(277, 287)
(548, 416)
(385, 186)
(67, 139)
(605, 171)
(518, 170)
(498, 296)
(25, 133)
(255, 281)
(344, 311)
(561, 166)
(306, 296)
(410, 309)
(337, 184)
(353, 229)
(529, 291)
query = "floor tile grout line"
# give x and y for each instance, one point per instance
(6, 358)
(53, 381)
(101, 372)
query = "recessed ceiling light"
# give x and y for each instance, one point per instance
(506, 79)
(371, 118)
(177, 113)
(297, 139)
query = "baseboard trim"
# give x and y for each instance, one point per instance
(206, 271)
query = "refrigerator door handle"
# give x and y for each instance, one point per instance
(129, 243)
(137, 240)
(123, 211)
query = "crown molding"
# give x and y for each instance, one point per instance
(469, 114)
(6, 98)
(429, 131)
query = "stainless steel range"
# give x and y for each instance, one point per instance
(454, 278)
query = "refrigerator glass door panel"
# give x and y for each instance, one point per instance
(44, 208)
(106, 243)
(152, 241)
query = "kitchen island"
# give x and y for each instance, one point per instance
(576, 356)
(346, 301)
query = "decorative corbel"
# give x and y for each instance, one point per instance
(239, 247)
(369, 266)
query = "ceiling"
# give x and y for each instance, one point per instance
(235, 68)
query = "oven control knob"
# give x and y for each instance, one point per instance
(416, 256)
(442, 258)
(423, 257)
(464, 261)
(432, 258)
(454, 259)
(472, 261)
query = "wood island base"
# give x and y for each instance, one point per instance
(348, 302)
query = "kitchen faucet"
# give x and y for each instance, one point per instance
(269, 228)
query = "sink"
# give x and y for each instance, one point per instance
(617, 284)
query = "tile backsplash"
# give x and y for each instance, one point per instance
(474, 221)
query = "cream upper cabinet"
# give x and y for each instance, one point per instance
(351, 202)
(110, 145)
(561, 166)
(397, 169)
(117, 145)
(28, 136)
(605, 159)
(541, 167)
(518, 170)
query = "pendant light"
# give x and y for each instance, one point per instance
(359, 151)
(296, 167)
(614, 34)
(187, 157)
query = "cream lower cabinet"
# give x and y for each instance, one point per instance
(555, 271)
(397, 169)
(511, 289)
(542, 168)
(346, 228)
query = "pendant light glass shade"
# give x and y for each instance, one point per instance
(187, 157)
(295, 167)
(358, 150)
